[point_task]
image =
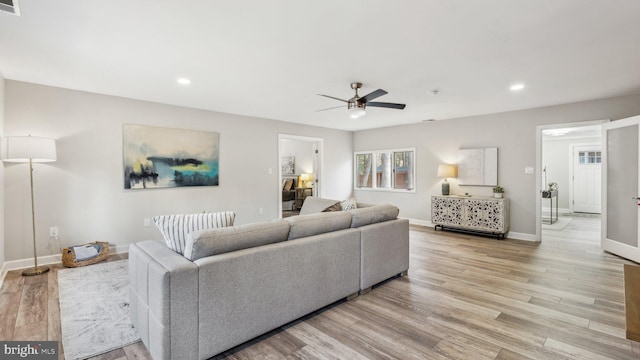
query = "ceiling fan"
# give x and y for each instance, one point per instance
(357, 105)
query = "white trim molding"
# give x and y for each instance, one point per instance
(48, 260)
(424, 223)
(538, 167)
(510, 235)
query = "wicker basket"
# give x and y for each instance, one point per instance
(69, 256)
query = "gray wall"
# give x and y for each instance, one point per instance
(82, 193)
(514, 133)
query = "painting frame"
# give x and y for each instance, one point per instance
(161, 157)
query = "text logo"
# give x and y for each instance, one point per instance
(31, 350)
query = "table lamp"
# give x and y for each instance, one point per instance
(305, 179)
(447, 171)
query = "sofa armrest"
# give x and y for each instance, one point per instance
(164, 300)
(385, 251)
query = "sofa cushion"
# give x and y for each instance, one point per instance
(372, 215)
(175, 228)
(315, 224)
(210, 242)
(314, 205)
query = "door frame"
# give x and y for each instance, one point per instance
(317, 189)
(572, 149)
(538, 168)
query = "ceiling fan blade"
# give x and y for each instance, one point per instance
(334, 98)
(373, 95)
(387, 105)
(331, 108)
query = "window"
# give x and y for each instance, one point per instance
(363, 164)
(390, 170)
(590, 157)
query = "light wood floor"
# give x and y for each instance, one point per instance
(466, 297)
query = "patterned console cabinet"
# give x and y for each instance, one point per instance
(471, 214)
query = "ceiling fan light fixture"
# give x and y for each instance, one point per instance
(356, 109)
(356, 112)
(356, 105)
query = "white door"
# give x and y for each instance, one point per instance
(621, 188)
(587, 179)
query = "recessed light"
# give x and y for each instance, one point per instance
(184, 81)
(516, 87)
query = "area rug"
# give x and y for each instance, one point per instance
(558, 225)
(94, 309)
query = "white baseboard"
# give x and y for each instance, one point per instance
(420, 222)
(521, 236)
(47, 260)
(510, 234)
(546, 211)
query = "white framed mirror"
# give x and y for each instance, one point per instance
(478, 167)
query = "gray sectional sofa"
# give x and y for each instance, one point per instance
(236, 283)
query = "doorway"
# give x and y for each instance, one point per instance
(299, 171)
(568, 205)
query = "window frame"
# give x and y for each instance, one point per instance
(373, 171)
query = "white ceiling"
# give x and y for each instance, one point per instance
(270, 58)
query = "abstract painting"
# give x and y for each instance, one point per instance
(288, 165)
(156, 157)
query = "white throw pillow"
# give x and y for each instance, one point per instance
(349, 204)
(175, 228)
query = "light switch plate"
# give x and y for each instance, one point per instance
(528, 170)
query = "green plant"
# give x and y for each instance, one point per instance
(498, 189)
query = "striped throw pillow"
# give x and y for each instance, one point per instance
(176, 228)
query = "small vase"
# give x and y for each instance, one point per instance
(497, 195)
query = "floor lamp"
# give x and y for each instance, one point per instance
(30, 149)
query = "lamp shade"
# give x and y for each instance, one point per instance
(23, 148)
(447, 171)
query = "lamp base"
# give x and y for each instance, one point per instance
(445, 188)
(35, 271)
